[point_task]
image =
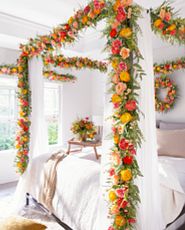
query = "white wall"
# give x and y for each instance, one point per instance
(163, 53)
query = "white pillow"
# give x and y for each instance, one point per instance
(171, 143)
(171, 125)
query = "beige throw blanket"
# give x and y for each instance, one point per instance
(49, 179)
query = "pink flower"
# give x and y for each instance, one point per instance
(120, 88)
(116, 43)
(120, 192)
(87, 9)
(111, 172)
(116, 105)
(121, 16)
(123, 66)
(167, 16)
(132, 220)
(115, 79)
(123, 144)
(115, 50)
(116, 159)
(125, 53)
(115, 24)
(122, 203)
(75, 24)
(111, 228)
(130, 105)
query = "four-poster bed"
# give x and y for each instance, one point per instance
(128, 66)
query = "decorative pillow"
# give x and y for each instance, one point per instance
(20, 223)
(171, 143)
(171, 125)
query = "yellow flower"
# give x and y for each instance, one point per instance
(84, 19)
(70, 21)
(125, 76)
(116, 139)
(157, 22)
(172, 27)
(24, 91)
(125, 118)
(21, 113)
(158, 68)
(14, 70)
(20, 69)
(19, 165)
(126, 32)
(126, 175)
(112, 196)
(120, 221)
(174, 66)
(116, 98)
(115, 63)
(17, 146)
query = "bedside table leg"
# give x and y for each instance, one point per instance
(96, 153)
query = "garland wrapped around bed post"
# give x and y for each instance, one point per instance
(124, 57)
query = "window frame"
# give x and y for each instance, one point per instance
(60, 106)
(11, 87)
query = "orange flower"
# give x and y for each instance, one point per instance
(120, 221)
(126, 2)
(84, 19)
(126, 175)
(125, 53)
(126, 32)
(171, 27)
(125, 76)
(116, 98)
(116, 139)
(157, 22)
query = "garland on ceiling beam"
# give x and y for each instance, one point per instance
(53, 75)
(167, 25)
(74, 62)
(169, 66)
(10, 69)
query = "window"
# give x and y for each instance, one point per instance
(8, 113)
(52, 105)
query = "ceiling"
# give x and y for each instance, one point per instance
(21, 19)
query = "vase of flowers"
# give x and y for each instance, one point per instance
(84, 129)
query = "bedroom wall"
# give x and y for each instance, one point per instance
(7, 169)
(163, 52)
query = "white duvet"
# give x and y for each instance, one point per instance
(77, 196)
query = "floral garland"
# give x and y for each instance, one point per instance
(121, 34)
(52, 75)
(122, 44)
(65, 33)
(165, 24)
(170, 66)
(75, 62)
(169, 101)
(9, 69)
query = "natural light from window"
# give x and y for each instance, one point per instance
(8, 112)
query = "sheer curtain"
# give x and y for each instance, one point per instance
(149, 213)
(38, 131)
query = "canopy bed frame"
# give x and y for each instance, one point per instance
(125, 58)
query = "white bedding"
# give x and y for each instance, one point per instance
(77, 196)
(77, 193)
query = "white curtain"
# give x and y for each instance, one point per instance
(38, 131)
(149, 213)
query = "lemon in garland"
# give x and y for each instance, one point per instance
(112, 196)
(120, 221)
(126, 175)
(126, 117)
(125, 76)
